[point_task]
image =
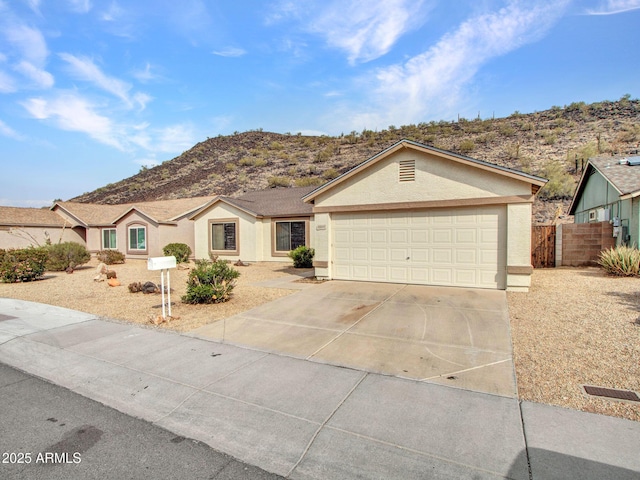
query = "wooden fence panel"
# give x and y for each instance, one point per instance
(543, 246)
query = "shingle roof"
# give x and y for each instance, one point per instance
(162, 211)
(30, 217)
(626, 178)
(274, 202)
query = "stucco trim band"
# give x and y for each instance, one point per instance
(462, 202)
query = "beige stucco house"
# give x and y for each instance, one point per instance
(24, 227)
(417, 214)
(138, 230)
(257, 226)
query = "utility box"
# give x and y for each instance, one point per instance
(161, 263)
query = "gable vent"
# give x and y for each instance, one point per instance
(407, 170)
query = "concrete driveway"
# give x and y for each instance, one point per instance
(451, 336)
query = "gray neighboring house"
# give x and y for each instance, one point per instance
(609, 191)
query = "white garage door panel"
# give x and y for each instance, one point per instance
(457, 247)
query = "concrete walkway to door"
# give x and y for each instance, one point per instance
(451, 336)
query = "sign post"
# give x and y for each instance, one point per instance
(163, 264)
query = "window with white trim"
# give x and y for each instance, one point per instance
(137, 238)
(290, 235)
(109, 239)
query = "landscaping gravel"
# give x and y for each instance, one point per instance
(575, 327)
(79, 291)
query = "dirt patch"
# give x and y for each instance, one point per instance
(577, 326)
(78, 291)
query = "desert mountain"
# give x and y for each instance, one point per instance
(554, 144)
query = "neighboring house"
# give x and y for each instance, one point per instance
(22, 227)
(609, 191)
(257, 226)
(421, 215)
(138, 230)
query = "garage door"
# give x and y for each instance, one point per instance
(453, 247)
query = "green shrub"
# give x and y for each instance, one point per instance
(308, 181)
(210, 282)
(24, 265)
(622, 261)
(66, 255)
(302, 257)
(181, 251)
(278, 182)
(110, 257)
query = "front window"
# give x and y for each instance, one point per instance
(137, 238)
(290, 235)
(109, 239)
(223, 236)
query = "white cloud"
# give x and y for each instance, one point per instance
(29, 45)
(41, 78)
(433, 81)
(366, 30)
(80, 6)
(29, 41)
(230, 52)
(7, 131)
(34, 5)
(175, 138)
(146, 74)
(112, 13)
(611, 7)
(84, 69)
(7, 83)
(71, 112)
(171, 139)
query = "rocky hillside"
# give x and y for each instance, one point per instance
(554, 144)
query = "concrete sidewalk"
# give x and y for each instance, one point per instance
(302, 419)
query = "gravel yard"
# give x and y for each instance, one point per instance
(78, 291)
(575, 327)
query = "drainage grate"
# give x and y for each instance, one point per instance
(612, 393)
(4, 317)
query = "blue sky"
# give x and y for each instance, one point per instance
(92, 90)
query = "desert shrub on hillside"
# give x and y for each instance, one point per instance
(561, 184)
(278, 182)
(22, 265)
(210, 282)
(66, 255)
(622, 261)
(181, 251)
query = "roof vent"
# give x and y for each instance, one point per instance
(407, 170)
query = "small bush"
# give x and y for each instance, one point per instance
(24, 265)
(278, 182)
(210, 282)
(181, 251)
(302, 257)
(308, 181)
(110, 257)
(467, 146)
(622, 261)
(66, 255)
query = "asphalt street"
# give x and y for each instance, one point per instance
(49, 432)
